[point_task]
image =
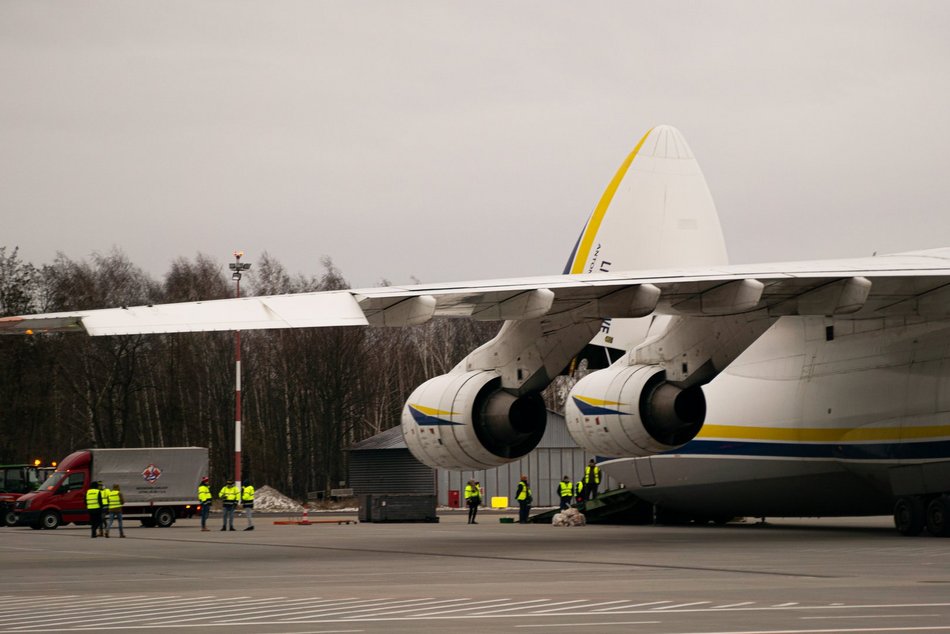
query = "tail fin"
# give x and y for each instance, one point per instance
(656, 212)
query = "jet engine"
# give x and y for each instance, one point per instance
(465, 420)
(632, 411)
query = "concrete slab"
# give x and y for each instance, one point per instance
(788, 575)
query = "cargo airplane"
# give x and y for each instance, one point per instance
(816, 388)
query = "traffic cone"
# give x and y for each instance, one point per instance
(306, 516)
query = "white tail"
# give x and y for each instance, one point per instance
(656, 212)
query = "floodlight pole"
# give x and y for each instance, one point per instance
(238, 268)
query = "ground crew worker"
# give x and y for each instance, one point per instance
(204, 499)
(229, 495)
(472, 500)
(591, 479)
(115, 509)
(247, 500)
(523, 495)
(104, 494)
(566, 492)
(94, 507)
(579, 492)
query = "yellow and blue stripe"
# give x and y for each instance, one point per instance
(430, 415)
(864, 443)
(597, 407)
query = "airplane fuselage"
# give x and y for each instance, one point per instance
(820, 417)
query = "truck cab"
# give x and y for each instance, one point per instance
(61, 498)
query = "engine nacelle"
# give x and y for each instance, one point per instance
(632, 411)
(465, 420)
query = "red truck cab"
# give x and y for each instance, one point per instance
(61, 499)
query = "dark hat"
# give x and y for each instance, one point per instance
(230, 481)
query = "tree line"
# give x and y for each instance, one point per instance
(308, 394)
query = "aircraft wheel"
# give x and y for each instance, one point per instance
(909, 516)
(938, 516)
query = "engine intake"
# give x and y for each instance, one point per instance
(465, 420)
(631, 411)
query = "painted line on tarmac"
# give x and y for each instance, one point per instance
(871, 616)
(546, 625)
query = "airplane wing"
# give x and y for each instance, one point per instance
(903, 284)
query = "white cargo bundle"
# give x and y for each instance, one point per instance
(570, 517)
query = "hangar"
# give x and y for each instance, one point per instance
(383, 464)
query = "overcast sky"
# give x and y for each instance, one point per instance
(462, 140)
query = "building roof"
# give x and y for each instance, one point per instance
(389, 439)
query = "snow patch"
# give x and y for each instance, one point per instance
(270, 499)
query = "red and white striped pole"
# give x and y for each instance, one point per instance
(238, 269)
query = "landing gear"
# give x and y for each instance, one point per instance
(938, 516)
(909, 516)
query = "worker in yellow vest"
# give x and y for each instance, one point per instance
(472, 500)
(523, 495)
(247, 501)
(115, 509)
(565, 490)
(94, 507)
(591, 479)
(579, 494)
(104, 493)
(229, 495)
(204, 499)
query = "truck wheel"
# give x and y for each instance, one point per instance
(909, 515)
(938, 516)
(49, 520)
(164, 517)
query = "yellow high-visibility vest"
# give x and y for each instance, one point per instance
(596, 474)
(93, 501)
(115, 499)
(567, 489)
(229, 493)
(524, 491)
(204, 493)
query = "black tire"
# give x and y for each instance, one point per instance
(909, 516)
(938, 516)
(164, 517)
(9, 517)
(50, 520)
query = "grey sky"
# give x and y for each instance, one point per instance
(462, 140)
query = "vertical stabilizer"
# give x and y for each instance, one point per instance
(656, 212)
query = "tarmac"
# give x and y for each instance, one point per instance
(785, 576)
